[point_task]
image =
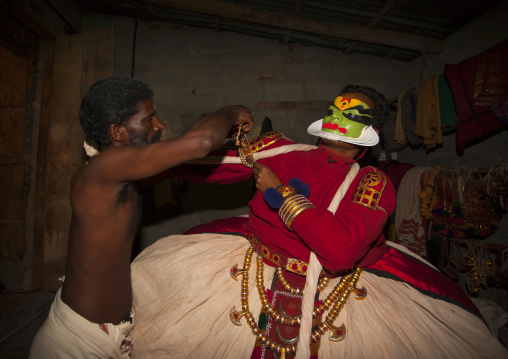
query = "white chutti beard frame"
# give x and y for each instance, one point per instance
(368, 137)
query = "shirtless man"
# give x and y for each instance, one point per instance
(91, 315)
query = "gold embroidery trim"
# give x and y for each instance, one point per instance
(365, 194)
(245, 153)
(259, 143)
(290, 264)
(247, 149)
(296, 266)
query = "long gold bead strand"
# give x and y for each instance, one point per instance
(339, 296)
(245, 281)
(270, 311)
(244, 294)
(332, 296)
(323, 283)
(336, 299)
(286, 284)
(259, 333)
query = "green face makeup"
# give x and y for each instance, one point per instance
(343, 121)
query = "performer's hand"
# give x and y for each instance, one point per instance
(265, 178)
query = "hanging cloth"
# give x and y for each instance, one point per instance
(428, 117)
(446, 106)
(400, 136)
(474, 123)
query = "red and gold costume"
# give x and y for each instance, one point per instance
(185, 299)
(351, 238)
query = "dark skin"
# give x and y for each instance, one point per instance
(105, 205)
(266, 178)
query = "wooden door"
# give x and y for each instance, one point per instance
(78, 62)
(17, 172)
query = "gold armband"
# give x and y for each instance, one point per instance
(293, 205)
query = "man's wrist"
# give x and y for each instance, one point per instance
(229, 113)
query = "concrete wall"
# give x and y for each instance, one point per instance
(197, 70)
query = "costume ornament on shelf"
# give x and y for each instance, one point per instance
(461, 208)
(428, 197)
(481, 271)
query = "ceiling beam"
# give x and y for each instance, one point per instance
(217, 23)
(297, 11)
(289, 22)
(387, 6)
(40, 17)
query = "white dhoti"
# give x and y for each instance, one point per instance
(65, 334)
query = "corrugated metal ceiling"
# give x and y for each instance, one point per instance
(394, 29)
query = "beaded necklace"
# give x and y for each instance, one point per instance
(331, 160)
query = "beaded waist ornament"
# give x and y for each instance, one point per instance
(284, 347)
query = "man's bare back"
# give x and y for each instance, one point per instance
(106, 208)
(119, 115)
(102, 230)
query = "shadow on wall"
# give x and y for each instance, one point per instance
(192, 204)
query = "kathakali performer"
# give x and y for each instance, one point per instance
(308, 273)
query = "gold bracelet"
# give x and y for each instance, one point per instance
(293, 205)
(289, 223)
(290, 205)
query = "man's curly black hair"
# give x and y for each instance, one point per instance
(108, 101)
(380, 112)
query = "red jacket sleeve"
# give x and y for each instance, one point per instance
(208, 171)
(353, 236)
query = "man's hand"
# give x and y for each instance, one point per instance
(244, 121)
(265, 178)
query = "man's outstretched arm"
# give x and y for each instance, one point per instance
(129, 163)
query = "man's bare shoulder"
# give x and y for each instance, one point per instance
(102, 209)
(90, 184)
(85, 176)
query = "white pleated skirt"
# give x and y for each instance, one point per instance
(183, 294)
